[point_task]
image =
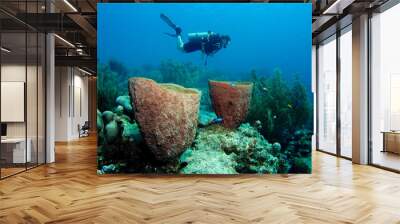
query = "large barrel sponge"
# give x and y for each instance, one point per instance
(166, 114)
(231, 101)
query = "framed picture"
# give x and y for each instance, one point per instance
(204, 88)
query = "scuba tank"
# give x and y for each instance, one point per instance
(198, 36)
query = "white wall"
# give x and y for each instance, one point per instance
(71, 94)
(12, 73)
(62, 81)
(33, 127)
(16, 73)
(81, 88)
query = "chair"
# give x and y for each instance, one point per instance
(84, 130)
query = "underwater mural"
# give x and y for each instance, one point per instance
(204, 88)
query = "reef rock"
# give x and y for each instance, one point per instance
(219, 150)
(166, 114)
(231, 101)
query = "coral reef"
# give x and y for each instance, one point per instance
(298, 152)
(206, 118)
(100, 128)
(119, 139)
(184, 74)
(111, 168)
(207, 162)
(131, 132)
(230, 101)
(99, 121)
(257, 155)
(108, 116)
(152, 137)
(125, 103)
(282, 109)
(113, 79)
(108, 87)
(167, 115)
(219, 150)
(111, 131)
(285, 113)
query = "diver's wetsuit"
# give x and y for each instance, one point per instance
(208, 44)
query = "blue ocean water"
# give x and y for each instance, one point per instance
(263, 36)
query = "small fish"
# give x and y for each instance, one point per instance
(233, 84)
(290, 106)
(265, 89)
(217, 120)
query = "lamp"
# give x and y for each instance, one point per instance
(70, 5)
(84, 71)
(5, 50)
(64, 40)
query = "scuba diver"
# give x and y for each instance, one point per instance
(208, 43)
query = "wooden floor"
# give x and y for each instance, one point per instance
(5, 172)
(387, 159)
(69, 191)
(9, 171)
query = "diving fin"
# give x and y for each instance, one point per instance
(168, 21)
(170, 34)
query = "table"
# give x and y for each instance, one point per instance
(13, 150)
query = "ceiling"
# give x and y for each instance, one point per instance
(74, 22)
(332, 15)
